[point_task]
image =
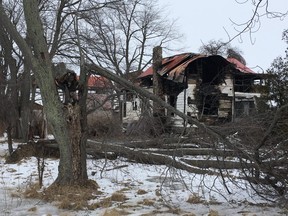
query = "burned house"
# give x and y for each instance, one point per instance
(211, 88)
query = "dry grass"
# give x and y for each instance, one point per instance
(141, 191)
(108, 201)
(176, 211)
(147, 202)
(213, 213)
(115, 212)
(73, 197)
(118, 197)
(33, 209)
(105, 203)
(157, 192)
(195, 199)
(32, 191)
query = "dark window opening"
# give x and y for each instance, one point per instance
(172, 100)
(210, 105)
(134, 105)
(243, 85)
(129, 96)
(244, 108)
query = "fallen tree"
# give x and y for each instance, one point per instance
(216, 137)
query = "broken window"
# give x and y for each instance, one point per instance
(244, 108)
(207, 99)
(243, 84)
(210, 105)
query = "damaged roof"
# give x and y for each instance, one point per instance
(173, 67)
(168, 64)
(240, 66)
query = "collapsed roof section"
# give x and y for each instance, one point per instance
(175, 67)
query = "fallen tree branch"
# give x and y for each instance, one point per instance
(140, 156)
(218, 164)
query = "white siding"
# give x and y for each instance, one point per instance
(227, 87)
(181, 106)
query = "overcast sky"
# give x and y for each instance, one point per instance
(203, 20)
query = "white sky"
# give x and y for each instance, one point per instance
(203, 20)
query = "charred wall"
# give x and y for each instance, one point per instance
(209, 75)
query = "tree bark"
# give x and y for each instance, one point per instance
(72, 167)
(10, 141)
(141, 156)
(71, 170)
(12, 93)
(158, 90)
(25, 104)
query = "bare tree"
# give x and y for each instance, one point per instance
(262, 8)
(12, 79)
(219, 47)
(121, 37)
(214, 47)
(64, 120)
(68, 121)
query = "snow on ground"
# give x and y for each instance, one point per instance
(150, 189)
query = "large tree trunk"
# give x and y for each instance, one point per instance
(158, 110)
(65, 121)
(72, 166)
(12, 93)
(72, 170)
(25, 104)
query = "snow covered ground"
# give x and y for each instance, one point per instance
(149, 189)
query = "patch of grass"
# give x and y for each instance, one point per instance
(176, 211)
(72, 197)
(118, 197)
(213, 213)
(195, 199)
(157, 192)
(141, 191)
(115, 212)
(33, 192)
(212, 202)
(11, 170)
(147, 202)
(33, 209)
(125, 189)
(107, 202)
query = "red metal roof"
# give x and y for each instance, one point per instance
(168, 64)
(177, 73)
(175, 66)
(98, 82)
(173, 62)
(240, 66)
